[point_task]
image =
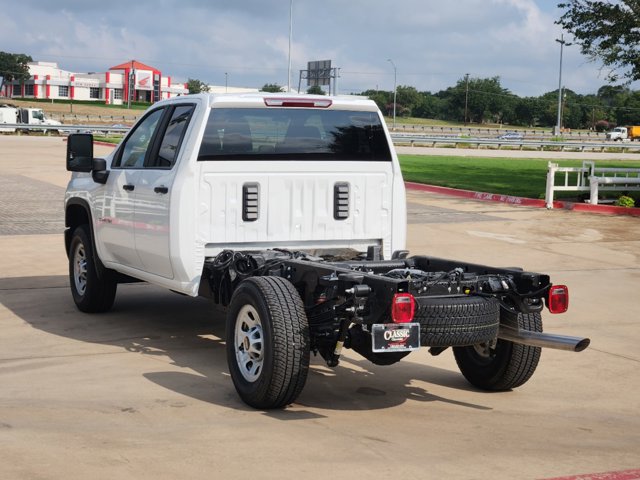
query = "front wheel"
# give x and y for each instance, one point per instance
(91, 292)
(505, 365)
(267, 342)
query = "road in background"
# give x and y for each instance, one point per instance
(503, 153)
(144, 391)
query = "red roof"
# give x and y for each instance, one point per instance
(136, 64)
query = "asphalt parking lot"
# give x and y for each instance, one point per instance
(144, 391)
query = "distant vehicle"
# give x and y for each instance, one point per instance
(511, 136)
(28, 116)
(624, 134)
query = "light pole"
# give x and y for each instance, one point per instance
(466, 98)
(290, 35)
(562, 43)
(395, 90)
(226, 82)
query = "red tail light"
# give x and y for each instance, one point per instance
(558, 299)
(297, 102)
(403, 308)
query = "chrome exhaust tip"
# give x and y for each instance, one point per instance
(543, 340)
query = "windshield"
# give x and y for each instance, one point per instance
(293, 134)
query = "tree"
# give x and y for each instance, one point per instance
(486, 100)
(315, 90)
(13, 66)
(606, 31)
(429, 106)
(197, 86)
(407, 99)
(271, 87)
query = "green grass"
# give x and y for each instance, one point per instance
(114, 139)
(509, 176)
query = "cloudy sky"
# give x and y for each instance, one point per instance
(432, 44)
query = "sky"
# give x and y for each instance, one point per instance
(432, 44)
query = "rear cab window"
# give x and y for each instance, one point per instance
(294, 134)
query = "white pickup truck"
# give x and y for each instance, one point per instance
(289, 210)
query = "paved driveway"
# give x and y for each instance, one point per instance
(144, 391)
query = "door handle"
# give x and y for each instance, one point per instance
(128, 187)
(161, 189)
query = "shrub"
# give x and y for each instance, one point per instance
(625, 201)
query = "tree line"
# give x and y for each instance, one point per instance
(486, 101)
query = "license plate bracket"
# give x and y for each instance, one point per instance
(395, 337)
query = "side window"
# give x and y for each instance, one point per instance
(168, 151)
(135, 147)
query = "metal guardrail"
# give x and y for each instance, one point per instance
(102, 129)
(88, 118)
(437, 130)
(441, 130)
(425, 140)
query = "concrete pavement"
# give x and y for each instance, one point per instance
(144, 391)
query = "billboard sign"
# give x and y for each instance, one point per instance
(144, 80)
(319, 73)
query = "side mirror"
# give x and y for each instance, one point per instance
(99, 171)
(80, 152)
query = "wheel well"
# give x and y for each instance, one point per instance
(75, 215)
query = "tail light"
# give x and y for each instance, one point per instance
(403, 308)
(558, 299)
(301, 102)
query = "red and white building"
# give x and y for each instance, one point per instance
(132, 79)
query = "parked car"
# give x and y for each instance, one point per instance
(511, 136)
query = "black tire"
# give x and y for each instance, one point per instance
(457, 321)
(91, 292)
(267, 342)
(508, 365)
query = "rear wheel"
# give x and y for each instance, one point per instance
(91, 292)
(503, 365)
(267, 342)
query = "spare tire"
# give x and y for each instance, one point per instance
(457, 321)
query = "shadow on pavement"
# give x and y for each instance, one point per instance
(148, 320)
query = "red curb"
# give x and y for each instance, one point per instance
(526, 202)
(621, 475)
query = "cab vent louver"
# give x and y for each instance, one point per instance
(250, 205)
(341, 201)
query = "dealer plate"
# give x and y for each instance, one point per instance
(395, 337)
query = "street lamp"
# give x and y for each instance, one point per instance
(290, 37)
(395, 90)
(562, 43)
(226, 82)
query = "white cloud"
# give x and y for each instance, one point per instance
(432, 44)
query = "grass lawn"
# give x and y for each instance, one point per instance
(510, 176)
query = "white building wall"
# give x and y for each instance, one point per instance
(51, 82)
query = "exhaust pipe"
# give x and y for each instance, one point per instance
(544, 340)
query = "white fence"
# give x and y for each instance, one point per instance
(589, 178)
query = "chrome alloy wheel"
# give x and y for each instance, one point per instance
(80, 269)
(249, 343)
